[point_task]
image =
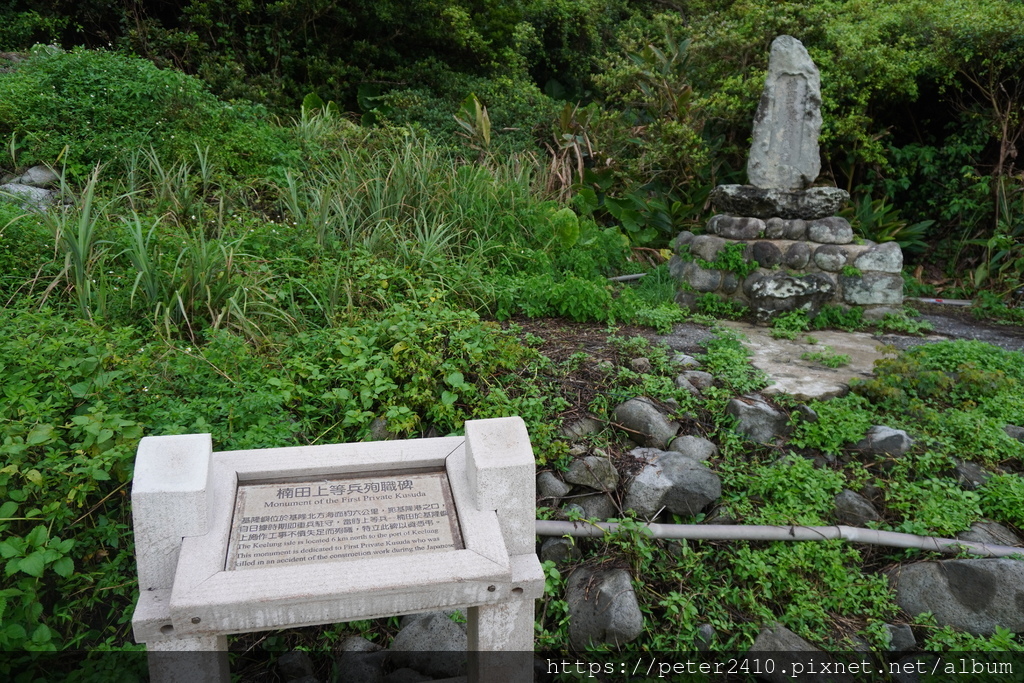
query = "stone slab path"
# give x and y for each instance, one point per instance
(808, 380)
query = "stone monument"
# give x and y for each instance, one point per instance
(805, 255)
(243, 541)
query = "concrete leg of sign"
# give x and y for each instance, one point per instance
(189, 660)
(501, 642)
(502, 471)
(169, 502)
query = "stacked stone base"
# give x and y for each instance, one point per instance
(801, 264)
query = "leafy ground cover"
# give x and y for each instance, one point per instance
(330, 281)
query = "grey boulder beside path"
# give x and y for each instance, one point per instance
(672, 481)
(971, 595)
(645, 422)
(603, 608)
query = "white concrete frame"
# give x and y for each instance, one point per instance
(183, 498)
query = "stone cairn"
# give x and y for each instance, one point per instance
(805, 254)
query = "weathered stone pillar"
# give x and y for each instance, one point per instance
(784, 152)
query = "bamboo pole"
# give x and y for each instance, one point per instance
(739, 532)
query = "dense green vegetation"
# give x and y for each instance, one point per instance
(638, 107)
(230, 261)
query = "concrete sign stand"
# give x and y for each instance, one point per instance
(383, 529)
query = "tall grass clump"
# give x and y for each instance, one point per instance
(74, 230)
(211, 283)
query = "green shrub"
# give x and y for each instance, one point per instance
(841, 422)
(1002, 499)
(787, 325)
(832, 316)
(788, 491)
(84, 107)
(727, 359)
(715, 306)
(826, 357)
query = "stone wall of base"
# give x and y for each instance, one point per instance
(804, 265)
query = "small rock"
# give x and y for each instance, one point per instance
(581, 428)
(774, 228)
(358, 644)
(602, 608)
(434, 645)
(698, 378)
(570, 510)
(641, 365)
(685, 360)
(882, 440)
(830, 257)
(37, 176)
(872, 289)
(806, 413)
(26, 196)
(683, 239)
(559, 550)
(886, 257)
(970, 475)
(294, 664)
(701, 279)
(797, 256)
(550, 486)
(406, 675)
(594, 472)
(901, 638)
(706, 635)
(757, 419)
(1014, 432)
(694, 447)
(598, 505)
(853, 509)
(707, 246)
(991, 533)
(766, 254)
(605, 367)
(674, 482)
(645, 422)
(356, 666)
(736, 228)
(830, 230)
(686, 385)
(379, 430)
(796, 229)
(789, 650)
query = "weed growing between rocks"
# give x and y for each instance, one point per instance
(826, 357)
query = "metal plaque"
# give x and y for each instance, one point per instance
(332, 520)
